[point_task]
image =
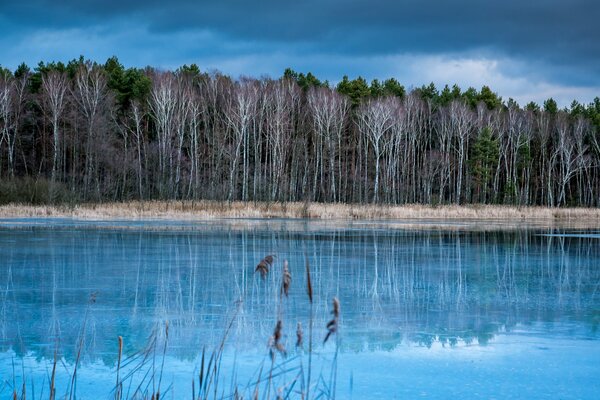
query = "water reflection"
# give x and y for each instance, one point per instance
(395, 286)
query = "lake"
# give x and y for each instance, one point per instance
(459, 311)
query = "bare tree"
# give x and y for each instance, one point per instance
(211, 94)
(569, 153)
(13, 94)
(522, 158)
(415, 145)
(462, 121)
(375, 118)
(329, 111)
(395, 153)
(134, 127)
(163, 104)
(6, 111)
(283, 101)
(444, 133)
(543, 135)
(181, 120)
(240, 111)
(195, 114)
(54, 86)
(90, 93)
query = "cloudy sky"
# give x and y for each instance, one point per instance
(528, 50)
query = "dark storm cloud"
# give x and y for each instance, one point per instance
(547, 27)
(561, 37)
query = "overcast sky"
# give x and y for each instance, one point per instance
(525, 49)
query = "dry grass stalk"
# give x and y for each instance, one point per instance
(256, 387)
(162, 365)
(264, 265)
(92, 300)
(119, 386)
(53, 377)
(332, 326)
(309, 289)
(286, 280)
(206, 209)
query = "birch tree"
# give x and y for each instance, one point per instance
(54, 89)
(6, 115)
(240, 111)
(462, 121)
(163, 103)
(375, 118)
(283, 100)
(195, 116)
(13, 94)
(329, 111)
(136, 116)
(89, 93)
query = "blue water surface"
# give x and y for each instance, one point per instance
(425, 313)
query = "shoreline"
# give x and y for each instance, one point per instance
(207, 210)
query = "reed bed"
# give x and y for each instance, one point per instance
(202, 210)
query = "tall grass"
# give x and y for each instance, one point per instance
(188, 210)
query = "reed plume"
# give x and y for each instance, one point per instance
(332, 326)
(275, 341)
(264, 265)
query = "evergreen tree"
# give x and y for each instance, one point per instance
(550, 106)
(484, 154)
(491, 99)
(356, 89)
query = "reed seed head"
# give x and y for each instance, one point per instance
(332, 326)
(264, 265)
(336, 308)
(275, 340)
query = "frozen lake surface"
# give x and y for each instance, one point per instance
(425, 313)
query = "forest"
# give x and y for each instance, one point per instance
(83, 131)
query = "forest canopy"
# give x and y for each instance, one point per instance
(83, 131)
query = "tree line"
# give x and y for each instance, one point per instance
(85, 131)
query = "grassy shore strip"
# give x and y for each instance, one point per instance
(198, 210)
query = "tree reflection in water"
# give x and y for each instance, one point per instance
(396, 286)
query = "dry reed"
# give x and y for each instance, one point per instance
(309, 292)
(275, 340)
(53, 377)
(118, 386)
(332, 326)
(309, 289)
(205, 209)
(264, 265)
(73, 388)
